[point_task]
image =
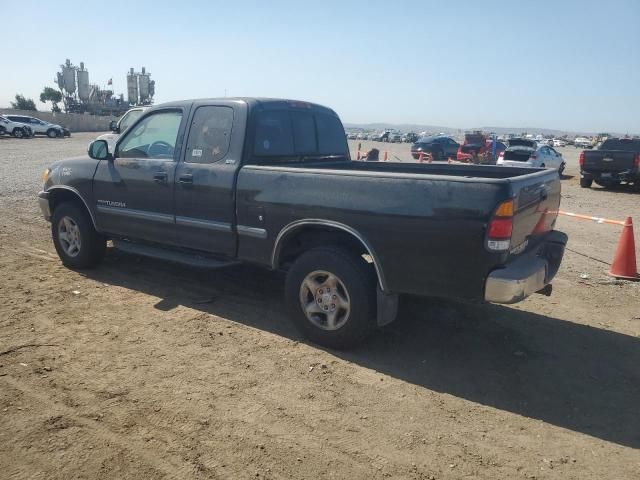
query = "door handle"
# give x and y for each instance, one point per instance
(160, 177)
(187, 178)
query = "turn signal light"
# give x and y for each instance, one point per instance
(505, 209)
(581, 159)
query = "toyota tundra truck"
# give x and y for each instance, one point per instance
(212, 183)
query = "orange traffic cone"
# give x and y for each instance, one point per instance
(421, 157)
(540, 227)
(624, 263)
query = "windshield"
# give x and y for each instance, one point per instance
(129, 118)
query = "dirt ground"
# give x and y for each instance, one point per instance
(141, 369)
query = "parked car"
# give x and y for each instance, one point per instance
(216, 182)
(352, 136)
(617, 160)
(478, 148)
(118, 127)
(381, 136)
(473, 147)
(557, 142)
(582, 142)
(440, 147)
(409, 137)
(395, 137)
(18, 130)
(40, 127)
(528, 153)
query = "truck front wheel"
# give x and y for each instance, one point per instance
(78, 244)
(331, 296)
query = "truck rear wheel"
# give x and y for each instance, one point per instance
(586, 182)
(331, 296)
(78, 244)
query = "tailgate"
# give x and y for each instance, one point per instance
(608, 160)
(536, 203)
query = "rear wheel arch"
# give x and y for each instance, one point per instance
(303, 235)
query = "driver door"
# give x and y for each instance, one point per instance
(134, 191)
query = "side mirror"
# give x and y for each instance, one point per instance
(99, 150)
(113, 126)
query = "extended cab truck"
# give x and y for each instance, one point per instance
(270, 182)
(615, 161)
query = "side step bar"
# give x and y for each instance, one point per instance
(192, 260)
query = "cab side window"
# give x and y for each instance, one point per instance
(154, 137)
(209, 135)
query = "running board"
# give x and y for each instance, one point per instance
(190, 259)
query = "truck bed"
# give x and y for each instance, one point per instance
(426, 222)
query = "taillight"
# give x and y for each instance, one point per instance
(500, 227)
(533, 156)
(581, 159)
(501, 155)
(637, 160)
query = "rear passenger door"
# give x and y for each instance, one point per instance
(204, 193)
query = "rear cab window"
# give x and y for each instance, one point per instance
(286, 135)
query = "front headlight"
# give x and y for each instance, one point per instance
(45, 176)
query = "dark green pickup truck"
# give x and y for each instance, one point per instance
(214, 182)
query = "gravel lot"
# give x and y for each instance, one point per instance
(141, 369)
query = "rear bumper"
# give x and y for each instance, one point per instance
(527, 274)
(631, 175)
(43, 201)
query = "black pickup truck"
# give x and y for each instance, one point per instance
(615, 161)
(214, 182)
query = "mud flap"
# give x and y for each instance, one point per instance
(387, 307)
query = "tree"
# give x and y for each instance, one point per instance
(22, 103)
(51, 95)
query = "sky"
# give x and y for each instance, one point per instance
(567, 65)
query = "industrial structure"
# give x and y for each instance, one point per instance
(80, 96)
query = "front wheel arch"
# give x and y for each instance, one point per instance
(59, 195)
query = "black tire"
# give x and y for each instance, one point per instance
(359, 281)
(586, 182)
(561, 170)
(52, 133)
(92, 245)
(18, 132)
(2, 131)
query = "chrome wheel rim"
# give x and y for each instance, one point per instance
(69, 236)
(325, 300)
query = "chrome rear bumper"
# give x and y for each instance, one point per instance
(527, 274)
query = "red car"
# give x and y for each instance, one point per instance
(477, 148)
